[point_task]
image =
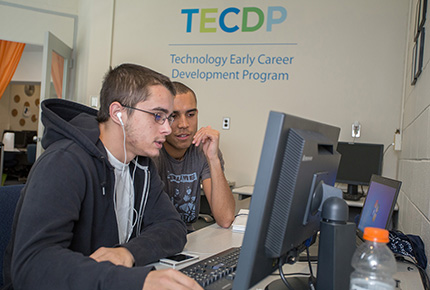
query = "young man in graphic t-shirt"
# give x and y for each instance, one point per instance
(190, 157)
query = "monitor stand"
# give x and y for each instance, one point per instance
(352, 193)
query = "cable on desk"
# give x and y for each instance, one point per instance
(309, 262)
(311, 277)
(424, 278)
(281, 273)
(291, 274)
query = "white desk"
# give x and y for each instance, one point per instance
(214, 239)
(355, 207)
(207, 242)
(247, 190)
(243, 191)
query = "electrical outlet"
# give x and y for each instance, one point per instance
(226, 123)
(94, 101)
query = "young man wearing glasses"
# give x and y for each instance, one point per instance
(190, 157)
(93, 212)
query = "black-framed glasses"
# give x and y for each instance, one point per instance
(160, 118)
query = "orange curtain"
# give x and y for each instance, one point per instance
(57, 68)
(10, 54)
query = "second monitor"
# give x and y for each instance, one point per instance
(358, 163)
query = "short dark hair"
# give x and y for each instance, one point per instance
(183, 89)
(129, 84)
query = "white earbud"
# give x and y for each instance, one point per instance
(119, 117)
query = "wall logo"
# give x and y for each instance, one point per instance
(233, 19)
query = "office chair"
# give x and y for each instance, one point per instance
(31, 153)
(1, 163)
(9, 196)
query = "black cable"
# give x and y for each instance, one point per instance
(312, 277)
(239, 214)
(386, 149)
(290, 274)
(309, 262)
(311, 274)
(294, 274)
(281, 273)
(424, 278)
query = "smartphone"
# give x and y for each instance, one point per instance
(178, 259)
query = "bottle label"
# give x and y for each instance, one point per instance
(365, 284)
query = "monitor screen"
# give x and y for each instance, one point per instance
(379, 204)
(20, 140)
(298, 159)
(357, 164)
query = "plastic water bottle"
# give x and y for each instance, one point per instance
(373, 262)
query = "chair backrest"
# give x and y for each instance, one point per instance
(1, 162)
(9, 196)
(31, 153)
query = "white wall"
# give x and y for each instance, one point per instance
(348, 65)
(414, 164)
(93, 47)
(28, 23)
(59, 6)
(29, 68)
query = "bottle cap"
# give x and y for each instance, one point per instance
(376, 235)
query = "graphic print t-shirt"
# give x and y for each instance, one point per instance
(182, 179)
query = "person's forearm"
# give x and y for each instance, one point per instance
(222, 201)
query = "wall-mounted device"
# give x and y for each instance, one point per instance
(356, 129)
(94, 101)
(397, 140)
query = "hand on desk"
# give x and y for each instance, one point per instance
(119, 256)
(169, 279)
(161, 279)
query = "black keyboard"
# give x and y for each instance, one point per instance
(217, 271)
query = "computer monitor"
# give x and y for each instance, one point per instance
(298, 163)
(20, 140)
(357, 164)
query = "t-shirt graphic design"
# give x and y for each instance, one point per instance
(182, 180)
(183, 198)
